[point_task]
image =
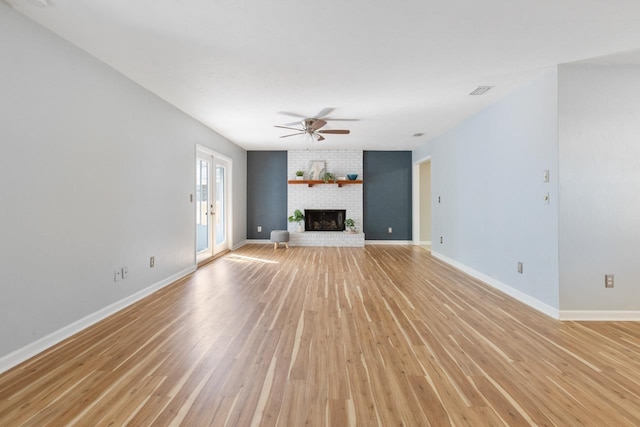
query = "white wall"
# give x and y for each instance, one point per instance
(488, 172)
(95, 174)
(599, 186)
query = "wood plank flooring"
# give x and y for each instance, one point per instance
(383, 335)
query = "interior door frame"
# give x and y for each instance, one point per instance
(228, 205)
(226, 164)
(416, 199)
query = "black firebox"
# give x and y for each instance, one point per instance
(324, 219)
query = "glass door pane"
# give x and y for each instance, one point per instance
(202, 205)
(220, 232)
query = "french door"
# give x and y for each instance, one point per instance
(212, 205)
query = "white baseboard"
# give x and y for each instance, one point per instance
(239, 245)
(258, 241)
(422, 242)
(600, 315)
(388, 242)
(520, 296)
(15, 358)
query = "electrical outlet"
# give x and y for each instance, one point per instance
(520, 267)
(117, 274)
(259, 229)
(125, 272)
(390, 230)
(191, 198)
(545, 176)
(608, 280)
(152, 262)
(438, 199)
(440, 239)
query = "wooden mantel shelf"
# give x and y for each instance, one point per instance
(311, 183)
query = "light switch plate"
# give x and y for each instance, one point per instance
(608, 280)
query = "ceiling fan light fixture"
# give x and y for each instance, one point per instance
(311, 126)
(481, 90)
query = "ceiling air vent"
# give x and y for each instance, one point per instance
(481, 90)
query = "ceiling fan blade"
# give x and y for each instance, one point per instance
(336, 131)
(325, 112)
(320, 138)
(285, 127)
(299, 122)
(331, 119)
(293, 134)
(316, 124)
(286, 113)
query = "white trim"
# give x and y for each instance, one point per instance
(15, 358)
(258, 241)
(229, 202)
(415, 198)
(388, 242)
(515, 293)
(600, 315)
(424, 243)
(567, 315)
(213, 153)
(239, 245)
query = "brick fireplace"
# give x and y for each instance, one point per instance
(328, 197)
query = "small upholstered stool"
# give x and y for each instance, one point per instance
(280, 236)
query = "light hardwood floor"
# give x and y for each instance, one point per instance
(331, 336)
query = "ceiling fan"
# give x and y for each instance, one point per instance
(311, 126)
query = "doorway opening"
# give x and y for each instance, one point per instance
(422, 203)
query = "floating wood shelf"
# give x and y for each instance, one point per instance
(311, 183)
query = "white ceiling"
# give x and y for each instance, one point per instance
(400, 67)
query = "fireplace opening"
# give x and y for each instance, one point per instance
(324, 219)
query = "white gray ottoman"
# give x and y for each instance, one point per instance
(280, 236)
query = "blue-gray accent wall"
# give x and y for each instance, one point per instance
(266, 192)
(387, 195)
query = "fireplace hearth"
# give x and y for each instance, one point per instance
(324, 219)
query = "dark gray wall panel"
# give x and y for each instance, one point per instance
(387, 195)
(266, 192)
